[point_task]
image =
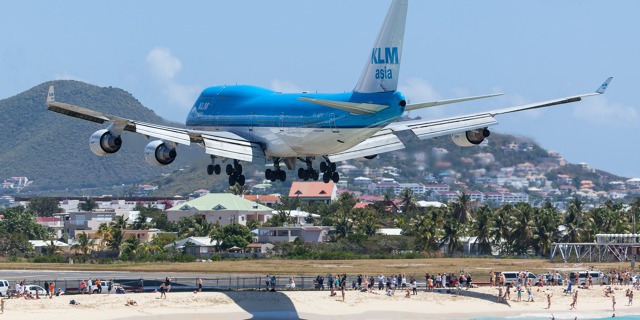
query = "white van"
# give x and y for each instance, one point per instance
(4, 287)
(596, 276)
(512, 277)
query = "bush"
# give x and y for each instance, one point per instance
(56, 258)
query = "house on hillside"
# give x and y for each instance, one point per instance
(199, 247)
(311, 191)
(223, 208)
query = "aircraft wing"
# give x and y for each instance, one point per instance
(218, 143)
(387, 139)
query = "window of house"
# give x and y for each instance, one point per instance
(242, 218)
(296, 233)
(283, 233)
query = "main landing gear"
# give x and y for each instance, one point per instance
(233, 171)
(309, 172)
(329, 171)
(277, 174)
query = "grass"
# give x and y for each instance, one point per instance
(478, 267)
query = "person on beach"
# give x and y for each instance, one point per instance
(500, 294)
(89, 285)
(99, 285)
(52, 288)
(630, 297)
(613, 302)
(549, 295)
(163, 294)
(83, 287)
(342, 289)
(109, 287)
(199, 284)
(46, 288)
(292, 284)
(168, 284)
(267, 280)
(2, 304)
(575, 301)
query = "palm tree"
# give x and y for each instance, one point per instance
(427, 227)
(408, 202)
(522, 225)
(547, 220)
(130, 247)
(462, 208)
(577, 223)
(501, 230)
(482, 228)
(238, 190)
(88, 204)
(452, 230)
(83, 244)
(104, 234)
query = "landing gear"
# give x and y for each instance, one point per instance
(213, 167)
(276, 174)
(329, 171)
(309, 172)
(234, 172)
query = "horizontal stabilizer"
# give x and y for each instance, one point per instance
(439, 103)
(354, 108)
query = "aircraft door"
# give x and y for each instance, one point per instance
(332, 123)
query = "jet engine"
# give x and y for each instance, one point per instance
(158, 153)
(470, 138)
(104, 142)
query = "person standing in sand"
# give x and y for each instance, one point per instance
(52, 288)
(163, 294)
(613, 302)
(342, 289)
(199, 284)
(549, 295)
(575, 301)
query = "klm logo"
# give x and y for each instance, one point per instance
(384, 55)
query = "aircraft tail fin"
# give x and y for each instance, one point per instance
(381, 71)
(51, 96)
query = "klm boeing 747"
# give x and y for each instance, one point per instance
(247, 123)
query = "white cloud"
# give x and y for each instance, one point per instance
(164, 67)
(600, 112)
(284, 86)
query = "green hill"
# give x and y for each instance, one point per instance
(52, 149)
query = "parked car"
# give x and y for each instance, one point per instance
(104, 284)
(33, 288)
(4, 287)
(596, 276)
(512, 277)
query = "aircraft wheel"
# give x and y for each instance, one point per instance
(239, 169)
(241, 180)
(301, 173)
(282, 175)
(323, 166)
(229, 169)
(335, 177)
(232, 180)
(210, 169)
(326, 177)
(217, 169)
(316, 175)
(333, 166)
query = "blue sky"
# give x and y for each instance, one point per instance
(166, 52)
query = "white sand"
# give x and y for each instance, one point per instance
(480, 302)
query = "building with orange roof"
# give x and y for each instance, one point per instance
(310, 191)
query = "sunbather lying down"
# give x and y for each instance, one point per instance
(131, 302)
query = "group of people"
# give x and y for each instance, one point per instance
(22, 290)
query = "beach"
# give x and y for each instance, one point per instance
(470, 304)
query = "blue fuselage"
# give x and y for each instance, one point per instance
(288, 126)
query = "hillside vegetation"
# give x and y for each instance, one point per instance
(53, 149)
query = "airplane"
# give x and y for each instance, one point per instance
(251, 124)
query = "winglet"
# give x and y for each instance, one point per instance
(604, 86)
(50, 96)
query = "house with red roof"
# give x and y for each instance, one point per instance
(310, 191)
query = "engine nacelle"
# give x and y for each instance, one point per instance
(103, 142)
(158, 153)
(470, 138)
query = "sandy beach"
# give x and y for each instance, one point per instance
(474, 303)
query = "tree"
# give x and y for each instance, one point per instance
(521, 225)
(235, 235)
(408, 203)
(87, 205)
(427, 228)
(462, 208)
(546, 221)
(501, 230)
(577, 222)
(22, 221)
(83, 243)
(130, 247)
(238, 190)
(43, 207)
(482, 227)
